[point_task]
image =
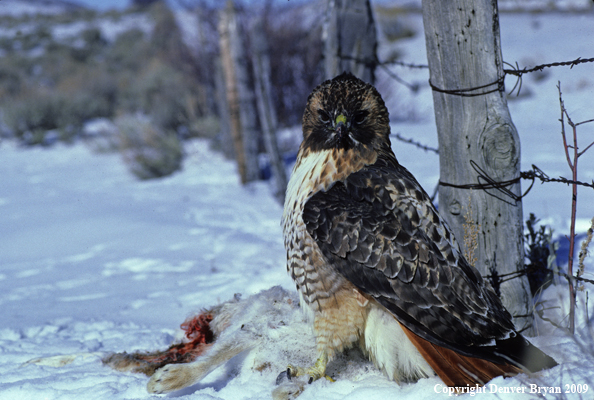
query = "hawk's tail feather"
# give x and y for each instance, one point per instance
(457, 370)
(520, 351)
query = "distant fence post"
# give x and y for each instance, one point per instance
(266, 111)
(226, 139)
(350, 39)
(239, 97)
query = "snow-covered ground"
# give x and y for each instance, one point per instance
(92, 260)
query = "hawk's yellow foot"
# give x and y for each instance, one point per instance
(315, 372)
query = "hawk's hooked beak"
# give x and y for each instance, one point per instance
(340, 126)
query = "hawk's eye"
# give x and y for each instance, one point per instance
(324, 117)
(360, 117)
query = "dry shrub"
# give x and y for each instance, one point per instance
(149, 151)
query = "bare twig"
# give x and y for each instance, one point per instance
(572, 161)
(573, 168)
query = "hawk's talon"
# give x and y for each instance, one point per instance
(295, 371)
(315, 372)
(285, 375)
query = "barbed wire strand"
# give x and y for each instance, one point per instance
(415, 143)
(466, 92)
(525, 271)
(502, 186)
(490, 183)
(571, 64)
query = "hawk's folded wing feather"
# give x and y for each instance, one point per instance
(379, 230)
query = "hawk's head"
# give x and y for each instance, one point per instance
(345, 113)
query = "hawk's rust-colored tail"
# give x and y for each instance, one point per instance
(458, 370)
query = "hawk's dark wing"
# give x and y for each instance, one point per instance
(379, 230)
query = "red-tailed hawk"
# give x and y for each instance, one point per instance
(374, 262)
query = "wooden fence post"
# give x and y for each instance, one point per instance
(474, 124)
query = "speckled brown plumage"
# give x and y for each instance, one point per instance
(362, 236)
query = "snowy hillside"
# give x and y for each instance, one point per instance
(94, 261)
(17, 8)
